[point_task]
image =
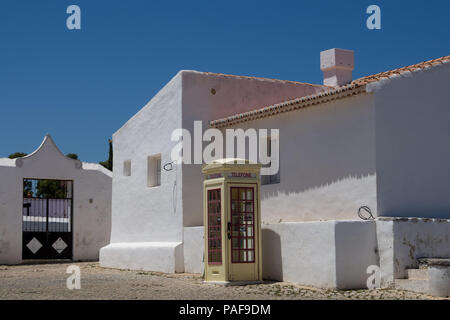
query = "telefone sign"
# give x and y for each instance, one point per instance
(242, 175)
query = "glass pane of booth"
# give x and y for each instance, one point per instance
(251, 256)
(214, 227)
(242, 224)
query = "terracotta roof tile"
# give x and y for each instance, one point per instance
(334, 93)
(414, 67)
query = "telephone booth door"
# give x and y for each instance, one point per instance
(244, 236)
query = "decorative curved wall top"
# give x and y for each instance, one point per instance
(47, 143)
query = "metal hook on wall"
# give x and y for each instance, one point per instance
(368, 213)
(169, 166)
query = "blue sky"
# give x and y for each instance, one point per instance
(83, 85)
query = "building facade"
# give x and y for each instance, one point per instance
(377, 142)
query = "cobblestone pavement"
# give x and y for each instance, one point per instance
(48, 281)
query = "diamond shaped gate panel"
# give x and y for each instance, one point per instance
(47, 219)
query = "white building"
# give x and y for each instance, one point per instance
(379, 141)
(74, 225)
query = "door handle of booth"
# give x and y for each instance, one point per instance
(229, 230)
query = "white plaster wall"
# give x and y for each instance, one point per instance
(327, 162)
(419, 238)
(91, 221)
(300, 252)
(144, 214)
(333, 254)
(404, 240)
(356, 250)
(233, 94)
(141, 213)
(10, 213)
(164, 257)
(413, 132)
(385, 241)
(193, 246)
(296, 252)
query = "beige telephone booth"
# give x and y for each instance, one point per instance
(232, 218)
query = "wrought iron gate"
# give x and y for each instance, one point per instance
(47, 219)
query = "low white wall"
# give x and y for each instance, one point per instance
(356, 250)
(385, 242)
(402, 241)
(332, 254)
(439, 280)
(194, 249)
(301, 252)
(148, 256)
(10, 214)
(91, 212)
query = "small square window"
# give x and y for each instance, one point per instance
(272, 179)
(154, 171)
(127, 168)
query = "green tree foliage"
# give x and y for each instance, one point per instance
(51, 189)
(17, 155)
(73, 156)
(27, 188)
(108, 164)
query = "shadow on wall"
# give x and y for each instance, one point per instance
(272, 264)
(287, 188)
(336, 200)
(327, 157)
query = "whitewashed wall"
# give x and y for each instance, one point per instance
(141, 213)
(233, 94)
(332, 254)
(147, 221)
(164, 256)
(144, 215)
(300, 252)
(356, 250)
(91, 219)
(401, 241)
(193, 246)
(11, 192)
(327, 162)
(413, 134)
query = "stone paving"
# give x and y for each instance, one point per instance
(48, 281)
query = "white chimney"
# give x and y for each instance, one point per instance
(337, 66)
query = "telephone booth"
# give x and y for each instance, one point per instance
(232, 216)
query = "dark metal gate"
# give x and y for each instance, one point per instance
(47, 219)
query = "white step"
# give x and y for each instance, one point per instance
(420, 286)
(417, 274)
